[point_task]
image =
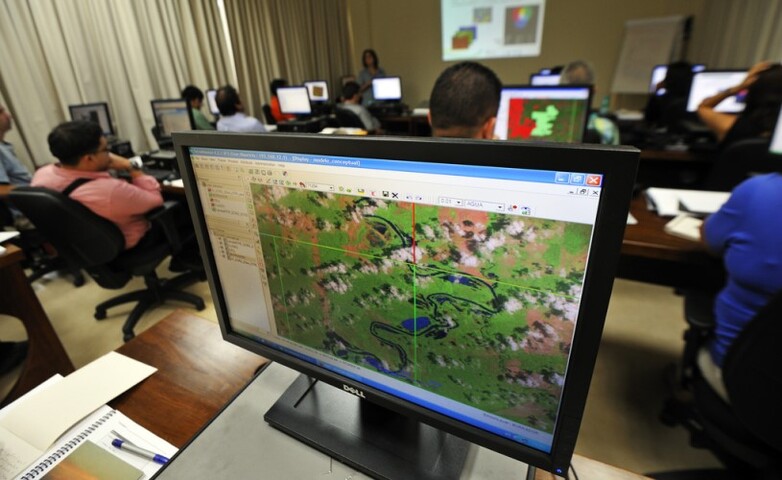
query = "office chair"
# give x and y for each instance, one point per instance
(745, 435)
(39, 257)
(267, 114)
(739, 161)
(348, 119)
(97, 245)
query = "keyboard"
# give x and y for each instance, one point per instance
(161, 174)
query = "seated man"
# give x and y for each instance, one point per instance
(11, 169)
(351, 97)
(580, 72)
(464, 102)
(232, 117)
(195, 98)
(83, 152)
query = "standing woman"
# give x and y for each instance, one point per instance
(371, 70)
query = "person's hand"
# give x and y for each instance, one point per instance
(752, 74)
(119, 163)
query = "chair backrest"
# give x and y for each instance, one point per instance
(752, 373)
(85, 239)
(267, 114)
(348, 119)
(739, 161)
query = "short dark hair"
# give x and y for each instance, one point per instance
(227, 98)
(374, 57)
(191, 92)
(275, 84)
(349, 90)
(764, 99)
(70, 141)
(465, 95)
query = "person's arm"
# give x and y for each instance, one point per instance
(138, 197)
(718, 230)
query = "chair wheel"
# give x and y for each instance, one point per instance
(78, 280)
(127, 337)
(200, 306)
(100, 314)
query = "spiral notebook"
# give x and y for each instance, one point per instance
(97, 429)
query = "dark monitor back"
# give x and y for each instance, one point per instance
(97, 112)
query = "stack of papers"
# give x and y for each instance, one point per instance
(685, 226)
(669, 202)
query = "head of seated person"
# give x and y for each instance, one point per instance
(194, 96)
(228, 101)
(275, 84)
(80, 145)
(763, 101)
(351, 93)
(464, 102)
(577, 72)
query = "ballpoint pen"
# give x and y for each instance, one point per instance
(125, 445)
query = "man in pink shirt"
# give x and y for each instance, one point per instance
(83, 152)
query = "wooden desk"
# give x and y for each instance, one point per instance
(651, 255)
(45, 355)
(197, 374)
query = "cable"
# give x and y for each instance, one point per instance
(572, 469)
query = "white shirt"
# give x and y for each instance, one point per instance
(239, 122)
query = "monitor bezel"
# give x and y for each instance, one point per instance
(617, 164)
(557, 87)
(295, 87)
(328, 91)
(166, 100)
(707, 71)
(105, 105)
(216, 111)
(401, 92)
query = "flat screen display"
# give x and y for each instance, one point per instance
(776, 139)
(544, 79)
(453, 280)
(211, 100)
(658, 75)
(711, 82)
(294, 100)
(95, 113)
(554, 114)
(318, 90)
(387, 88)
(171, 116)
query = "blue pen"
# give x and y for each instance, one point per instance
(129, 447)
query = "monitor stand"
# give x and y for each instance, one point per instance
(368, 437)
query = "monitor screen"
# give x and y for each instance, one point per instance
(294, 100)
(463, 283)
(172, 115)
(387, 88)
(318, 90)
(544, 79)
(211, 100)
(710, 82)
(555, 114)
(776, 138)
(658, 75)
(94, 112)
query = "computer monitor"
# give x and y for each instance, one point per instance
(318, 90)
(658, 75)
(710, 82)
(555, 113)
(171, 115)
(294, 100)
(776, 138)
(211, 100)
(388, 89)
(460, 283)
(544, 79)
(94, 112)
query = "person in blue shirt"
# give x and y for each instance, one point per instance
(232, 117)
(12, 172)
(744, 231)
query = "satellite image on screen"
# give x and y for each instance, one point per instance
(472, 305)
(546, 119)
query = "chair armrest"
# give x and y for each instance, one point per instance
(699, 309)
(165, 218)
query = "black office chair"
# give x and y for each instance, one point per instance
(348, 119)
(97, 245)
(745, 434)
(739, 161)
(267, 114)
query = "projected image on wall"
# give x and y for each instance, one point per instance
(476, 29)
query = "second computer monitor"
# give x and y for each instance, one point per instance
(211, 100)
(711, 82)
(294, 100)
(387, 89)
(318, 90)
(553, 113)
(544, 79)
(171, 115)
(94, 112)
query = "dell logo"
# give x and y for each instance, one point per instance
(354, 391)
